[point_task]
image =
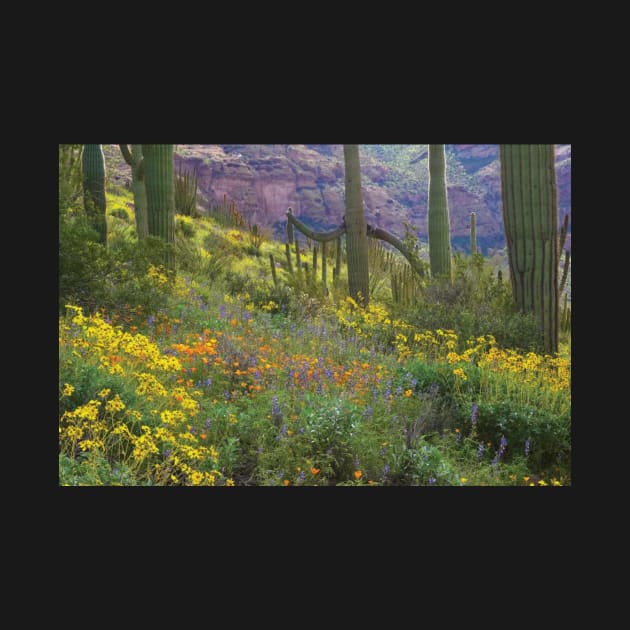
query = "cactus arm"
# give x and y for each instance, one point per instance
(321, 237)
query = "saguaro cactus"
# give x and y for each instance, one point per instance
(93, 172)
(356, 229)
(530, 218)
(158, 176)
(134, 159)
(438, 220)
(473, 233)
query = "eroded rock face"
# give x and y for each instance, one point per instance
(265, 180)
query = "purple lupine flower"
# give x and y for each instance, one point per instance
(527, 446)
(302, 475)
(208, 382)
(502, 445)
(151, 320)
(368, 411)
(432, 481)
(193, 430)
(399, 390)
(259, 450)
(226, 395)
(284, 429)
(480, 450)
(246, 316)
(473, 415)
(222, 311)
(167, 452)
(386, 470)
(208, 423)
(280, 475)
(275, 408)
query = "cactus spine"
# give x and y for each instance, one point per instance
(530, 219)
(438, 220)
(159, 182)
(473, 233)
(93, 171)
(135, 161)
(356, 229)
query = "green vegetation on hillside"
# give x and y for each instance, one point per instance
(218, 375)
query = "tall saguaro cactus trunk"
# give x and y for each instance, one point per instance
(135, 160)
(159, 184)
(356, 229)
(93, 174)
(438, 221)
(530, 218)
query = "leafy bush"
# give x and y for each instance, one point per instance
(474, 304)
(94, 277)
(121, 213)
(549, 435)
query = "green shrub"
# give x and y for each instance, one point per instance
(121, 213)
(185, 226)
(549, 435)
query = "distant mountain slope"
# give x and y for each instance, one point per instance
(264, 180)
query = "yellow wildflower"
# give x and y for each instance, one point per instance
(68, 389)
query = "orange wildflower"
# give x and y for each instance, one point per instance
(358, 474)
(314, 471)
(286, 482)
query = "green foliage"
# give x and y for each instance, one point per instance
(185, 227)
(121, 213)
(70, 173)
(473, 304)
(93, 277)
(256, 236)
(291, 387)
(549, 434)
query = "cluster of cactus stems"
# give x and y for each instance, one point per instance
(438, 215)
(186, 193)
(227, 215)
(133, 157)
(159, 183)
(93, 173)
(530, 219)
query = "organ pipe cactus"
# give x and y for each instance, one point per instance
(93, 174)
(356, 229)
(438, 220)
(530, 218)
(159, 181)
(135, 161)
(186, 187)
